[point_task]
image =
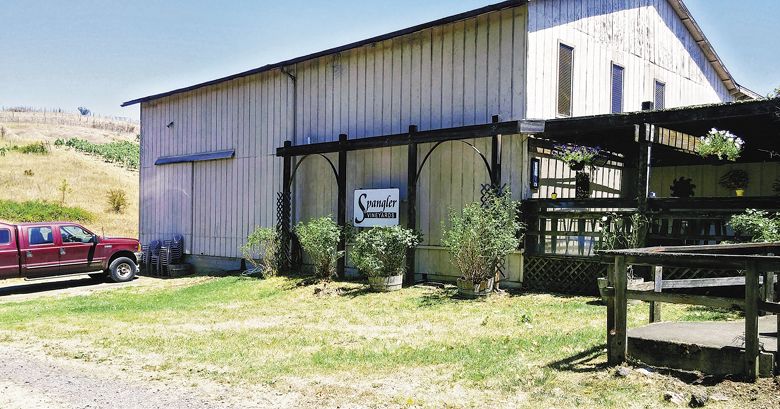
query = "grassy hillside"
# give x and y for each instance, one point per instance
(35, 177)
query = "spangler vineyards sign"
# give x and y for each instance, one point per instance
(376, 207)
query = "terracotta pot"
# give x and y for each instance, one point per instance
(386, 284)
(469, 289)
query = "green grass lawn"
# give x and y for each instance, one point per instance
(417, 347)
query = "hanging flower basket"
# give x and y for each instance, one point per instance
(576, 156)
(723, 144)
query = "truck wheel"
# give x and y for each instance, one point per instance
(122, 270)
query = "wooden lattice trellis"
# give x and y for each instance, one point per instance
(568, 275)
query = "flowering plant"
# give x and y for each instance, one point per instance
(575, 154)
(723, 144)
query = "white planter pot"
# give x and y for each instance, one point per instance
(469, 289)
(386, 284)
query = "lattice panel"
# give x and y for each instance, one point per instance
(562, 275)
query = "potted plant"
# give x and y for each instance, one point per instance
(723, 144)
(319, 239)
(577, 157)
(737, 180)
(380, 254)
(479, 239)
(260, 250)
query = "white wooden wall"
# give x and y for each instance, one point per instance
(453, 75)
(646, 37)
(214, 204)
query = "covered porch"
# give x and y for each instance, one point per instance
(648, 162)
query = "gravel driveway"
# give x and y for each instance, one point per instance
(31, 379)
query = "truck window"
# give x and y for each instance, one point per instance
(40, 235)
(5, 236)
(75, 234)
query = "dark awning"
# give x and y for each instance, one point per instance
(196, 157)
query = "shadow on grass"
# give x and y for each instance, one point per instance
(582, 362)
(45, 286)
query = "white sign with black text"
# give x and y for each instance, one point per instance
(376, 207)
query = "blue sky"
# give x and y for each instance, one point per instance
(99, 53)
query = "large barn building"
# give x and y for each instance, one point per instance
(209, 164)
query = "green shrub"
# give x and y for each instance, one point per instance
(759, 225)
(481, 236)
(124, 153)
(623, 232)
(35, 148)
(117, 200)
(381, 251)
(261, 249)
(41, 211)
(319, 239)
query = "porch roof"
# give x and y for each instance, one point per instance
(757, 122)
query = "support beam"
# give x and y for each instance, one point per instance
(411, 201)
(655, 306)
(285, 203)
(752, 297)
(342, 203)
(617, 338)
(495, 156)
(645, 136)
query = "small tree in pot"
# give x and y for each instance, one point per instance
(480, 238)
(380, 253)
(319, 239)
(737, 180)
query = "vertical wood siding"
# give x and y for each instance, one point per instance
(453, 75)
(646, 37)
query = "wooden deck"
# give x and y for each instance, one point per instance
(716, 348)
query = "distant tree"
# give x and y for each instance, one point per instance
(84, 111)
(775, 93)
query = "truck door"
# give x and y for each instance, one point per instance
(40, 252)
(77, 252)
(9, 254)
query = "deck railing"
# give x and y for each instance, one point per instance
(574, 227)
(758, 261)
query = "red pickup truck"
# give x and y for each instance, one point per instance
(37, 250)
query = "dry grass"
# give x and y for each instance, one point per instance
(419, 347)
(89, 178)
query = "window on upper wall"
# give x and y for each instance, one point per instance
(565, 83)
(617, 88)
(659, 95)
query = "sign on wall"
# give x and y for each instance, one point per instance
(376, 207)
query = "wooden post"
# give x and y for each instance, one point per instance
(751, 321)
(645, 136)
(495, 156)
(411, 201)
(655, 306)
(610, 303)
(618, 334)
(286, 211)
(342, 203)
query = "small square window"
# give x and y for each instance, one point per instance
(5, 236)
